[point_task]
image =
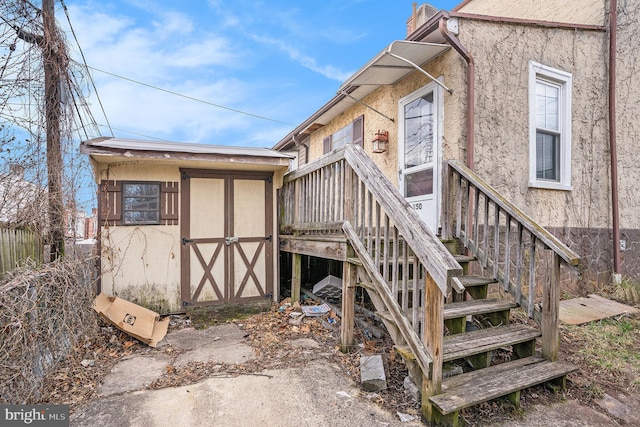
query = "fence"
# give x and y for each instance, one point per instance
(18, 245)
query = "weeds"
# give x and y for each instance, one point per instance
(608, 349)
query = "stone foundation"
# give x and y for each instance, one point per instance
(595, 247)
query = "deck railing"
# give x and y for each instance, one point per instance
(345, 193)
(510, 247)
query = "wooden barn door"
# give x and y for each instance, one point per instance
(227, 251)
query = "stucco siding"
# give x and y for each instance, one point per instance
(142, 264)
(585, 12)
(448, 67)
(502, 53)
(628, 112)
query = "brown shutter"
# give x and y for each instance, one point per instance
(169, 203)
(109, 200)
(326, 145)
(358, 131)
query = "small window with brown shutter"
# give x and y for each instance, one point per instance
(138, 203)
(353, 133)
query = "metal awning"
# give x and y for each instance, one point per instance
(393, 63)
(397, 60)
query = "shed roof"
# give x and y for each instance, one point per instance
(136, 147)
(112, 150)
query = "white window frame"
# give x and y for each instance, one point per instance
(564, 81)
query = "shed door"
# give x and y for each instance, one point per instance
(227, 249)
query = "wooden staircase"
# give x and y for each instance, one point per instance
(484, 379)
(342, 207)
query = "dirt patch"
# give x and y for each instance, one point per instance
(206, 316)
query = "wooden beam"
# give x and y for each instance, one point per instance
(296, 277)
(433, 342)
(335, 249)
(349, 280)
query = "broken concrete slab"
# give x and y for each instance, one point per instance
(135, 373)
(221, 344)
(316, 394)
(372, 375)
(622, 407)
(566, 414)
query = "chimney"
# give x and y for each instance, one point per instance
(419, 16)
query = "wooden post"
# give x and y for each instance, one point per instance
(432, 339)
(550, 309)
(54, 68)
(447, 206)
(349, 280)
(349, 270)
(296, 277)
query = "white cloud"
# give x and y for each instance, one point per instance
(215, 56)
(309, 62)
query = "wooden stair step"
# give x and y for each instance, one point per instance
(469, 344)
(482, 306)
(464, 258)
(472, 281)
(466, 308)
(462, 391)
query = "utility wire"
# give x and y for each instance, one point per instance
(137, 134)
(84, 60)
(187, 96)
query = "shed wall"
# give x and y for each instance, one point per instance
(142, 263)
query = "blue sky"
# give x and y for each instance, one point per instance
(280, 60)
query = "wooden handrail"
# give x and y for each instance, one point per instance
(496, 255)
(424, 360)
(439, 262)
(551, 241)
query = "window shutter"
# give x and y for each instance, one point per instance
(109, 199)
(169, 203)
(326, 145)
(358, 131)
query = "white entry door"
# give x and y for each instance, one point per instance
(420, 117)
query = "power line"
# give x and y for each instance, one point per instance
(187, 96)
(135, 133)
(84, 60)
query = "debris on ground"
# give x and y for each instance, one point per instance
(279, 344)
(137, 321)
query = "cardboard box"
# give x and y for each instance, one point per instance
(139, 322)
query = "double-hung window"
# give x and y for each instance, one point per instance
(549, 127)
